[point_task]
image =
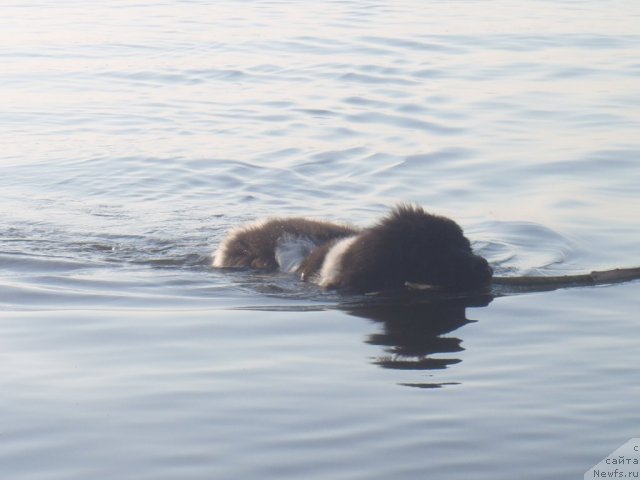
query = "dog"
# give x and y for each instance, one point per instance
(407, 247)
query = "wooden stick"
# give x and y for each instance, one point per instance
(597, 277)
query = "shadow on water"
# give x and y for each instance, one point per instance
(414, 329)
(412, 332)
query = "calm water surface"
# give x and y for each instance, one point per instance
(134, 134)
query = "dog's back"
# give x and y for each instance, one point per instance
(259, 245)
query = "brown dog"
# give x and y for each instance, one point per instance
(409, 246)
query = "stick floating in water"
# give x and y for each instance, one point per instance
(597, 277)
(535, 283)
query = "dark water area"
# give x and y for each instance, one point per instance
(136, 134)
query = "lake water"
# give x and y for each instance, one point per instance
(136, 133)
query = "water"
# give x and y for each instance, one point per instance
(134, 134)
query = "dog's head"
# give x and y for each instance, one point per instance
(417, 248)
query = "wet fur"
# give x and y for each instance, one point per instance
(254, 245)
(407, 246)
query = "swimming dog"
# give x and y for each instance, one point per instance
(409, 246)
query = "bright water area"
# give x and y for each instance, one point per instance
(134, 134)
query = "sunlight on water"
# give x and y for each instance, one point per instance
(135, 134)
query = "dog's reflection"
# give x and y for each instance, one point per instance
(413, 332)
